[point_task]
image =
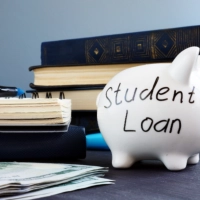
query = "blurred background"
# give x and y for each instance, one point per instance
(25, 24)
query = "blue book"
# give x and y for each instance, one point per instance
(147, 46)
(96, 141)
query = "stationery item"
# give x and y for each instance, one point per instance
(83, 98)
(83, 104)
(6, 91)
(145, 46)
(42, 143)
(35, 111)
(96, 141)
(71, 76)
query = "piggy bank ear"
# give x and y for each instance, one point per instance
(183, 64)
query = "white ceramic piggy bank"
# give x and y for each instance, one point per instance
(153, 112)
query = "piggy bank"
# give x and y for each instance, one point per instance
(153, 112)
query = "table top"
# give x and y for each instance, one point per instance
(148, 179)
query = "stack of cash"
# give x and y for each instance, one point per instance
(26, 181)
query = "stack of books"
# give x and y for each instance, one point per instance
(39, 130)
(81, 84)
(78, 69)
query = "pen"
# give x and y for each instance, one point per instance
(10, 91)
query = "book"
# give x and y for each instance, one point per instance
(83, 108)
(72, 76)
(146, 46)
(82, 98)
(87, 119)
(42, 143)
(29, 111)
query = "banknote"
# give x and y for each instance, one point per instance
(77, 184)
(17, 178)
(27, 174)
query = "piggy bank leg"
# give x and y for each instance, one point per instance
(193, 159)
(174, 162)
(122, 160)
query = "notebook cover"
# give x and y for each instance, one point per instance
(54, 128)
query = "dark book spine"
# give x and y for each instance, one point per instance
(87, 119)
(149, 46)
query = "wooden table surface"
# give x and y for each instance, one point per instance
(145, 180)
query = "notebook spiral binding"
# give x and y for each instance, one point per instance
(87, 119)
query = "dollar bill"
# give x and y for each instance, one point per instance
(18, 178)
(80, 183)
(38, 173)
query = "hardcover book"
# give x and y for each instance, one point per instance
(147, 46)
(87, 119)
(42, 143)
(63, 76)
